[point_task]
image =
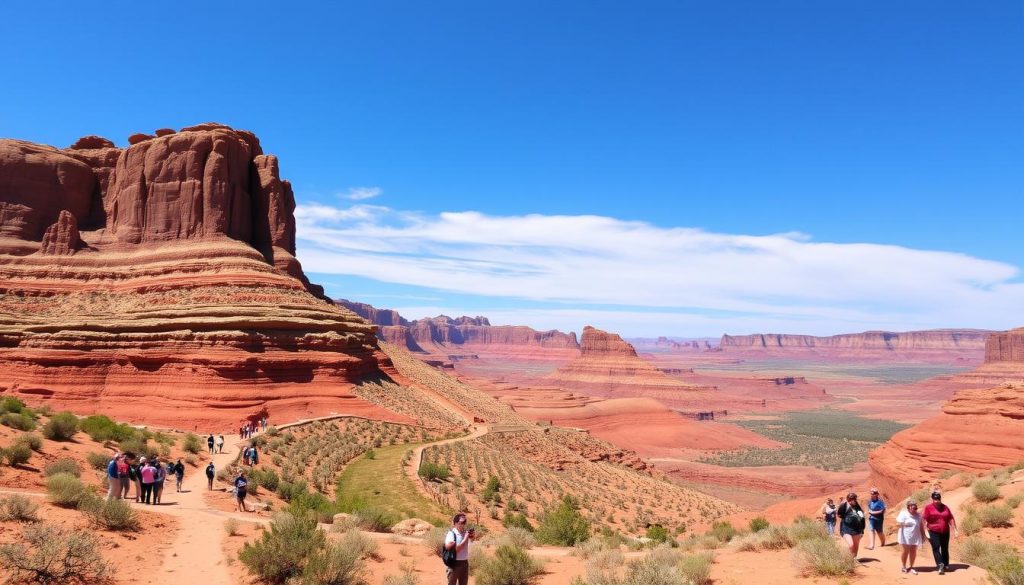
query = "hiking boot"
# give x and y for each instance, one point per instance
(942, 569)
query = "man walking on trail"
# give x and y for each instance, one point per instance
(209, 443)
(210, 472)
(876, 516)
(457, 540)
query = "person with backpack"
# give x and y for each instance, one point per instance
(179, 475)
(112, 477)
(148, 473)
(209, 443)
(136, 479)
(210, 472)
(456, 551)
(159, 476)
(938, 518)
(851, 519)
(124, 475)
(828, 513)
(876, 516)
(241, 490)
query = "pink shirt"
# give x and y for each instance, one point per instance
(148, 474)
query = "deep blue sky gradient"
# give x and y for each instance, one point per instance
(888, 122)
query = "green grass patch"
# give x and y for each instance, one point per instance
(380, 484)
(829, 440)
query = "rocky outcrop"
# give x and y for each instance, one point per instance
(936, 339)
(979, 429)
(427, 334)
(176, 299)
(609, 366)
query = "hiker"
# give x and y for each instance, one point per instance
(938, 518)
(851, 518)
(136, 479)
(179, 475)
(112, 478)
(263, 423)
(910, 535)
(241, 489)
(241, 432)
(220, 443)
(159, 476)
(210, 472)
(124, 475)
(828, 513)
(254, 455)
(876, 516)
(457, 540)
(148, 473)
(209, 443)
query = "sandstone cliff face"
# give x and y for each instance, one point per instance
(609, 366)
(937, 339)
(442, 330)
(979, 429)
(158, 283)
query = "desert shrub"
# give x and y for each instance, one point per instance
(406, 578)
(657, 533)
(231, 526)
(1014, 501)
(510, 565)
(966, 479)
(985, 490)
(434, 471)
(434, 539)
(491, 489)
(995, 515)
(273, 431)
(61, 427)
(11, 404)
(697, 567)
(18, 454)
(138, 445)
(191, 443)
(69, 466)
(723, 531)
(266, 478)
(281, 553)
(922, 494)
(51, 555)
(758, 524)
(98, 460)
(375, 519)
(970, 524)
(653, 570)
(519, 537)
(803, 528)
(821, 556)
(101, 428)
(516, 520)
(1008, 571)
(32, 440)
(563, 526)
(109, 514)
(18, 420)
(18, 508)
(982, 553)
(66, 490)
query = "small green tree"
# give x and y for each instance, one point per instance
(491, 489)
(657, 533)
(565, 525)
(61, 427)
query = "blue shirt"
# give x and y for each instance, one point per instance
(877, 506)
(112, 468)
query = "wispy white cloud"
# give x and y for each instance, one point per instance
(361, 193)
(785, 282)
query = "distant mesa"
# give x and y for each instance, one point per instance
(940, 343)
(154, 281)
(673, 344)
(979, 429)
(442, 333)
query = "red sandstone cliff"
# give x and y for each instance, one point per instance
(421, 334)
(936, 339)
(154, 281)
(979, 429)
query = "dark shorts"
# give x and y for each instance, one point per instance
(844, 529)
(240, 494)
(875, 523)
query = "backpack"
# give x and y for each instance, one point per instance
(448, 554)
(851, 519)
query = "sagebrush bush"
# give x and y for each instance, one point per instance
(723, 531)
(191, 443)
(11, 404)
(563, 526)
(697, 567)
(510, 565)
(109, 514)
(518, 537)
(281, 553)
(375, 519)
(985, 490)
(18, 420)
(18, 508)
(101, 428)
(512, 519)
(995, 515)
(34, 441)
(69, 466)
(231, 526)
(657, 533)
(804, 528)
(18, 454)
(61, 427)
(1014, 500)
(434, 471)
(98, 460)
(824, 557)
(434, 539)
(969, 524)
(51, 555)
(652, 570)
(758, 524)
(66, 490)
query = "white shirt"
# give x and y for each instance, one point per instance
(909, 531)
(454, 536)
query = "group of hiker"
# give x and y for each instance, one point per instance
(934, 524)
(147, 475)
(249, 428)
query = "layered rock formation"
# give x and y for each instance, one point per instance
(442, 332)
(608, 366)
(962, 340)
(979, 429)
(158, 283)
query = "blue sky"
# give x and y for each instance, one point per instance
(679, 168)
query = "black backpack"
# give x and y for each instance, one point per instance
(448, 554)
(851, 519)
